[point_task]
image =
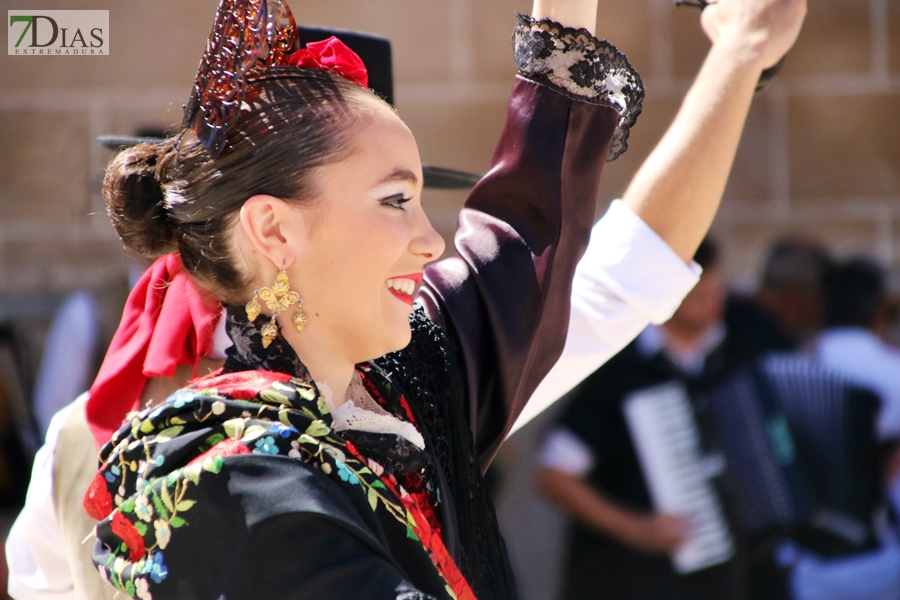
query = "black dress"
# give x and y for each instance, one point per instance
(238, 486)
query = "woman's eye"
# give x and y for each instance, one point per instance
(397, 201)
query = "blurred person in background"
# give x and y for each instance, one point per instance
(856, 314)
(46, 550)
(790, 288)
(856, 317)
(590, 468)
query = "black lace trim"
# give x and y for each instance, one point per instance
(428, 370)
(578, 64)
(247, 351)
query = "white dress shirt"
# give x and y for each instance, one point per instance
(861, 356)
(628, 278)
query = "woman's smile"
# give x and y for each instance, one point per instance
(404, 286)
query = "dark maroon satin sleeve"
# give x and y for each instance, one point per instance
(505, 299)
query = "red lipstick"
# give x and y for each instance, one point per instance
(405, 297)
(408, 299)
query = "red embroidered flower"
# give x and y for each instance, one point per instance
(332, 55)
(97, 501)
(227, 447)
(244, 385)
(126, 532)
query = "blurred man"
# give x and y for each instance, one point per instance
(790, 288)
(855, 316)
(590, 468)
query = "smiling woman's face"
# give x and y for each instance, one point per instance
(367, 243)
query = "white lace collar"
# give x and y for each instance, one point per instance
(360, 412)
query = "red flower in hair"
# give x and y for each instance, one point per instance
(97, 501)
(332, 55)
(126, 532)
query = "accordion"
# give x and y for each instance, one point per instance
(801, 448)
(781, 447)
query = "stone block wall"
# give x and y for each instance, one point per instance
(820, 157)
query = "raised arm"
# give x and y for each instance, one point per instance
(526, 224)
(633, 272)
(678, 189)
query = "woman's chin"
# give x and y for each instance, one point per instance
(399, 338)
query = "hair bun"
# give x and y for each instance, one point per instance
(135, 200)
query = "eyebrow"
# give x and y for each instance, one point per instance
(400, 175)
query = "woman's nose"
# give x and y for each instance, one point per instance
(427, 242)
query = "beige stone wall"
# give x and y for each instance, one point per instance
(821, 155)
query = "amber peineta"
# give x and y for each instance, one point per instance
(246, 35)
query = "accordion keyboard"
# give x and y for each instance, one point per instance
(665, 433)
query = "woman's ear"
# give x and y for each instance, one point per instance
(264, 221)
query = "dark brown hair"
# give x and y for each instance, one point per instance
(172, 196)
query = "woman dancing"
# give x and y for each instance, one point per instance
(305, 468)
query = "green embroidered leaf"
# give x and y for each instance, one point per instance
(450, 592)
(167, 434)
(317, 429)
(283, 417)
(373, 498)
(323, 406)
(306, 391)
(308, 439)
(378, 484)
(272, 397)
(129, 588)
(123, 548)
(410, 533)
(141, 527)
(166, 498)
(213, 465)
(253, 432)
(192, 472)
(185, 504)
(177, 421)
(177, 522)
(159, 506)
(127, 506)
(308, 413)
(172, 479)
(363, 470)
(215, 439)
(147, 426)
(234, 428)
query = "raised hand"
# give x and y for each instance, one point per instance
(765, 28)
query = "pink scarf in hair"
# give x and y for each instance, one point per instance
(167, 322)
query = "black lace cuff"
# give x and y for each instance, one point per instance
(578, 64)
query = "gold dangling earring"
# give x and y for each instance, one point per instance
(278, 298)
(299, 318)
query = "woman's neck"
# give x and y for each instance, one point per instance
(324, 362)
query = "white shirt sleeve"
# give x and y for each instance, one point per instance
(565, 451)
(35, 550)
(628, 278)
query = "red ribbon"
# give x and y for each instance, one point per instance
(167, 322)
(332, 55)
